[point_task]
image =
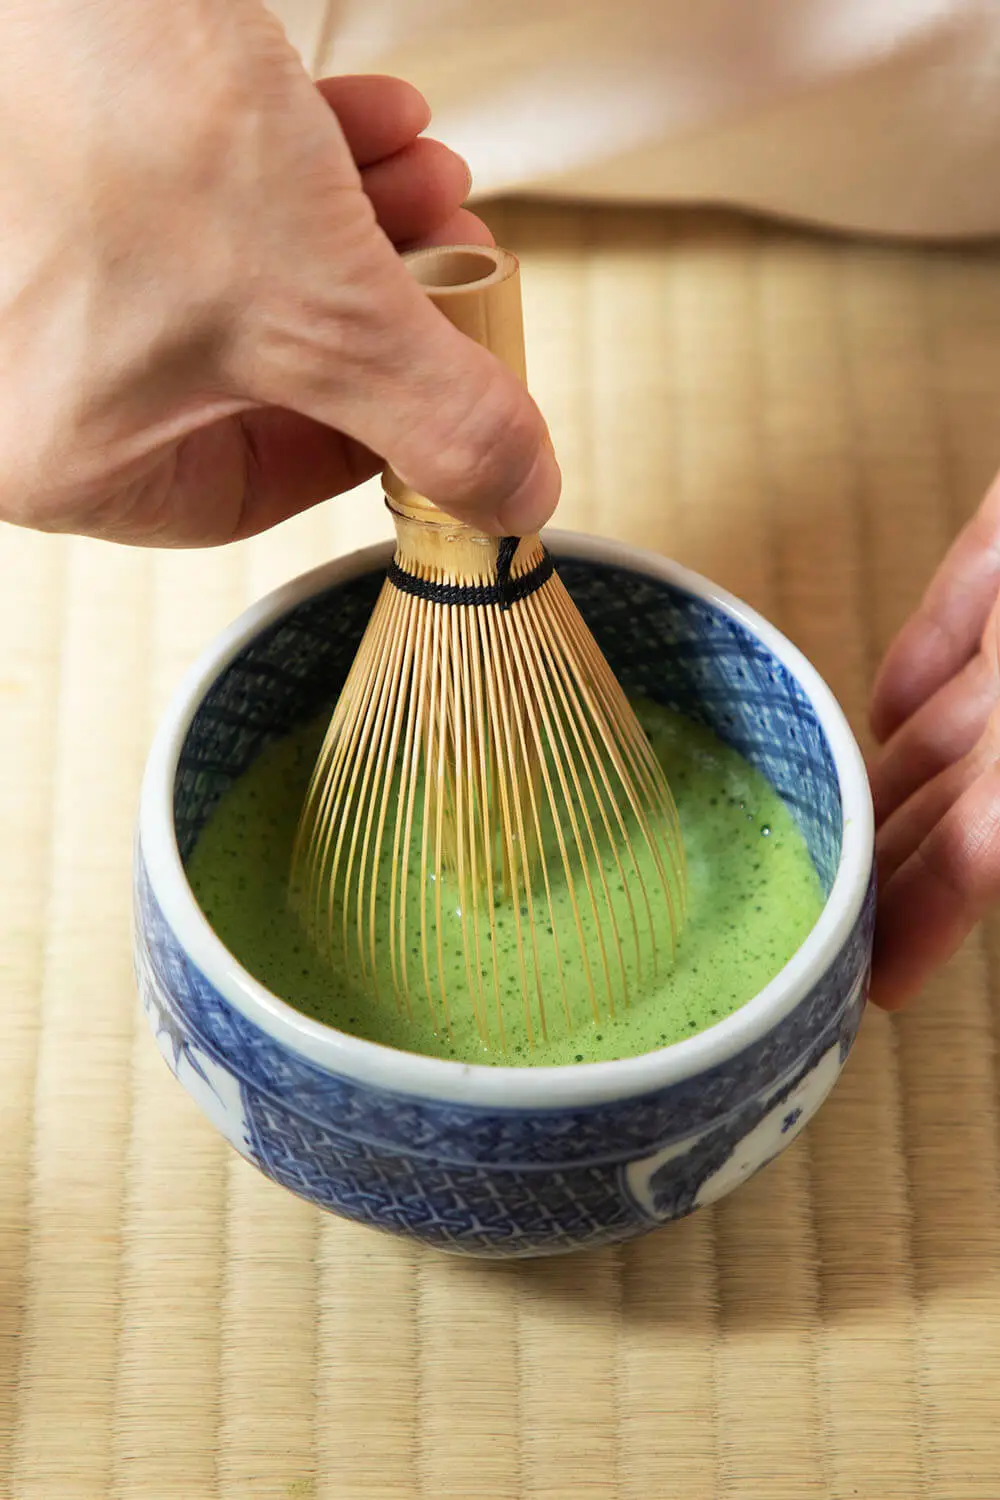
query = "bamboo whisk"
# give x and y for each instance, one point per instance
(484, 785)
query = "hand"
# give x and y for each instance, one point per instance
(936, 782)
(204, 322)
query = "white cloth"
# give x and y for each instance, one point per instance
(873, 115)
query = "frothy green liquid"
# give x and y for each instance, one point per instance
(753, 896)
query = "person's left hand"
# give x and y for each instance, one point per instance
(936, 779)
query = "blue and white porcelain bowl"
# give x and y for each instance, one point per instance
(508, 1161)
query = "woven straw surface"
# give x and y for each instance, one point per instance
(808, 423)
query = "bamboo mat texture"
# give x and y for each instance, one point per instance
(806, 421)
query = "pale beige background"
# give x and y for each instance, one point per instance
(808, 422)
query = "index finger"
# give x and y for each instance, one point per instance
(944, 632)
(378, 115)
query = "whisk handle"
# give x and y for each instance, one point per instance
(478, 288)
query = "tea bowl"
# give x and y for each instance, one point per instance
(497, 1161)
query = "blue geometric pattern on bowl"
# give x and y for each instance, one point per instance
(495, 1181)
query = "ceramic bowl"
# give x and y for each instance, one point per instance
(489, 1161)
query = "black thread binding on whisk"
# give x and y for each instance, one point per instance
(505, 591)
(506, 548)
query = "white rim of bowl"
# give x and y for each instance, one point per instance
(478, 1083)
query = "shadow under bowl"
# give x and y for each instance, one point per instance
(496, 1161)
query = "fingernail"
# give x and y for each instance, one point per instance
(532, 504)
(468, 177)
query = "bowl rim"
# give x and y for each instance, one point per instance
(497, 1086)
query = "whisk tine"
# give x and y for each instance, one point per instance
(483, 778)
(439, 741)
(399, 674)
(506, 780)
(418, 625)
(646, 769)
(590, 760)
(601, 687)
(361, 792)
(522, 779)
(584, 832)
(334, 768)
(466, 864)
(520, 658)
(585, 678)
(476, 655)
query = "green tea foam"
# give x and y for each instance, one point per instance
(753, 896)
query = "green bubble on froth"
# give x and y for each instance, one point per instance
(739, 931)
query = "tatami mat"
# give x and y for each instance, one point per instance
(807, 422)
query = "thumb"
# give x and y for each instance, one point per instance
(455, 424)
(461, 429)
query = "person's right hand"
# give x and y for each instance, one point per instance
(205, 325)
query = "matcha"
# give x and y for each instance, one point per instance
(753, 895)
